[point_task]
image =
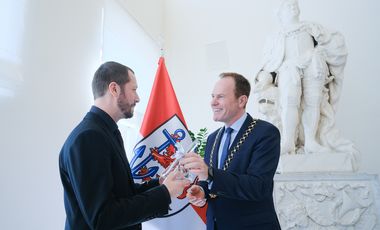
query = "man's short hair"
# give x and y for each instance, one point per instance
(109, 72)
(242, 85)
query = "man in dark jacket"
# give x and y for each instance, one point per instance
(99, 191)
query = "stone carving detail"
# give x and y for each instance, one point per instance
(326, 205)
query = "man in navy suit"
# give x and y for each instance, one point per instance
(236, 176)
(99, 191)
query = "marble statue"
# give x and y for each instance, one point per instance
(307, 62)
(267, 98)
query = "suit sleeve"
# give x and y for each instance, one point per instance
(146, 185)
(256, 183)
(89, 169)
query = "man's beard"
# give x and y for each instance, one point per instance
(128, 114)
(127, 110)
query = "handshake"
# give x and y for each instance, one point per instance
(180, 177)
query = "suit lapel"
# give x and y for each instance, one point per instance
(122, 154)
(120, 150)
(214, 143)
(216, 139)
(216, 153)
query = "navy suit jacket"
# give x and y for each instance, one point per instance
(244, 191)
(99, 192)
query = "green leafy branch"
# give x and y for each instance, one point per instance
(200, 136)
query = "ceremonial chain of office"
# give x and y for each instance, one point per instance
(236, 147)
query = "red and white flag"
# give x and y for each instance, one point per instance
(163, 126)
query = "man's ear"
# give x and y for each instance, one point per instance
(243, 99)
(114, 89)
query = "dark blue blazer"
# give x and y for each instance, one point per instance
(99, 192)
(244, 191)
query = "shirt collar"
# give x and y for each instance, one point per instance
(237, 124)
(110, 123)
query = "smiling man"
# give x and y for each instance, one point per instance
(236, 176)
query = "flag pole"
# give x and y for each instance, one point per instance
(162, 52)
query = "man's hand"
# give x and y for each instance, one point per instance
(168, 170)
(175, 182)
(196, 195)
(195, 164)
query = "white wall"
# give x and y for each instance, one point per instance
(62, 45)
(238, 30)
(60, 52)
(150, 18)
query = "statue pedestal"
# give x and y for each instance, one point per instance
(327, 201)
(318, 162)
